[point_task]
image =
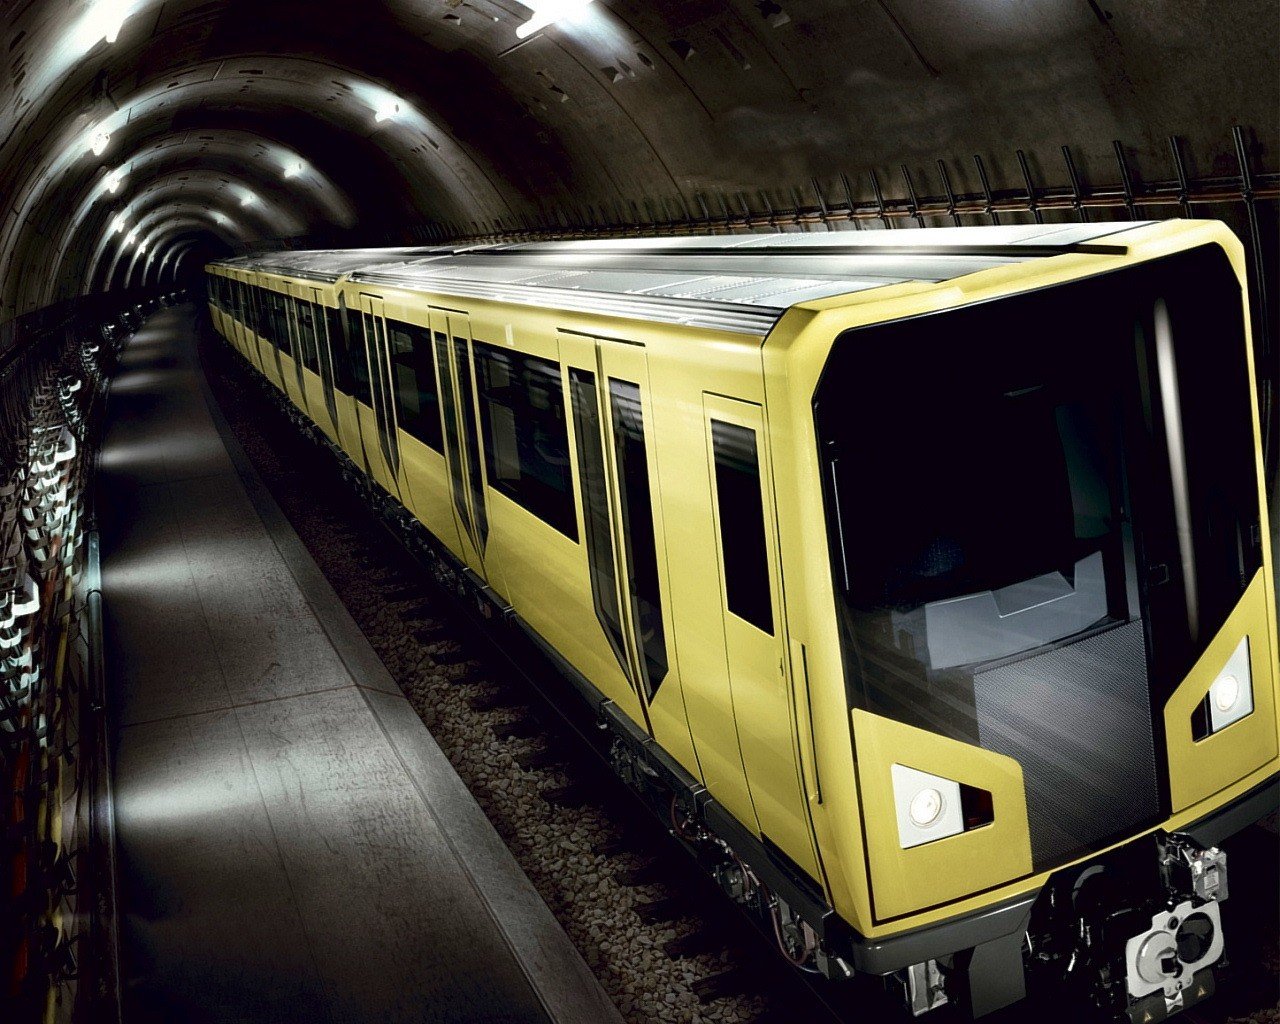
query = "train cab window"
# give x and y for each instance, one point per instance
(740, 510)
(635, 497)
(304, 318)
(413, 383)
(526, 440)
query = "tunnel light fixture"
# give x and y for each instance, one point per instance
(248, 199)
(99, 141)
(131, 237)
(548, 12)
(142, 247)
(115, 179)
(118, 224)
(387, 109)
(295, 168)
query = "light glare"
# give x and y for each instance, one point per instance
(547, 12)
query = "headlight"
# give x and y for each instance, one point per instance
(928, 806)
(1230, 698)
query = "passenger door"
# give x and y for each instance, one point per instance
(769, 723)
(618, 483)
(451, 336)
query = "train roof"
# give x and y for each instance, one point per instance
(740, 283)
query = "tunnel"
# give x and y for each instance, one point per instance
(639, 510)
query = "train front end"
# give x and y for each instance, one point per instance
(1057, 625)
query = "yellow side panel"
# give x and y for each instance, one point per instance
(903, 881)
(291, 381)
(319, 411)
(349, 426)
(427, 476)
(369, 427)
(1198, 770)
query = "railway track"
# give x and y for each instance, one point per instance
(666, 943)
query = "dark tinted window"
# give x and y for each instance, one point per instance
(280, 322)
(358, 359)
(471, 437)
(526, 441)
(452, 431)
(304, 319)
(739, 503)
(340, 347)
(595, 509)
(413, 372)
(638, 526)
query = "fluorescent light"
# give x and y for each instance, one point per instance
(100, 141)
(118, 224)
(387, 109)
(142, 248)
(115, 180)
(105, 19)
(131, 237)
(547, 12)
(294, 169)
(248, 199)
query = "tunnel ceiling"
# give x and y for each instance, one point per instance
(132, 131)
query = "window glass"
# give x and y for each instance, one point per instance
(526, 440)
(452, 431)
(358, 359)
(304, 319)
(413, 372)
(339, 348)
(280, 323)
(471, 437)
(595, 508)
(638, 527)
(740, 509)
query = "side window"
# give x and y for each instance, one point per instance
(360, 389)
(636, 499)
(304, 317)
(588, 432)
(280, 323)
(340, 346)
(526, 440)
(413, 369)
(740, 510)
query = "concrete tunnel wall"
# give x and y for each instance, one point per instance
(226, 124)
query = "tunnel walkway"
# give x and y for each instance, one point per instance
(293, 845)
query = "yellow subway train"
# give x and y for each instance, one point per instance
(925, 573)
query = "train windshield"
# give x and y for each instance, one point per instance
(1016, 475)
